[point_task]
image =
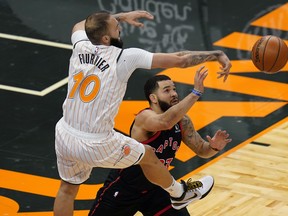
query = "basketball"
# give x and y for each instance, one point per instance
(269, 54)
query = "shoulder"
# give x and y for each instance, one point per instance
(135, 52)
(137, 58)
(143, 114)
(78, 36)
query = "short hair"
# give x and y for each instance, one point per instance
(152, 85)
(96, 26)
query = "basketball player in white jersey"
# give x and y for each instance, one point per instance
(98, 74)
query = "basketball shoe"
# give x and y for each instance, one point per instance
(193, 190)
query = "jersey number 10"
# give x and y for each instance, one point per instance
(81, 84)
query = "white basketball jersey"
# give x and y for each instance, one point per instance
(97, 83)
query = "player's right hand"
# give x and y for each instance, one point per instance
(133, 16)
(199, 78)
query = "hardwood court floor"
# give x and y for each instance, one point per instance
(250, 181)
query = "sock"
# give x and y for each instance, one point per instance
(175, 189)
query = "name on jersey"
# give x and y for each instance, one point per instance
(96, 60)
(167, 143)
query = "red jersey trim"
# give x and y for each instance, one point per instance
(152, 138)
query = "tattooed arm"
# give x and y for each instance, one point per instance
(186, 59)
(197, 144)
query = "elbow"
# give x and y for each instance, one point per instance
(168, 119)
(178, 61)
(79, 26)
(183, 62)
(75, 28)
(166, 125)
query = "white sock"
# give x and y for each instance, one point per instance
(175, 189)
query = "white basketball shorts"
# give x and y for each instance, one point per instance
(78, 152)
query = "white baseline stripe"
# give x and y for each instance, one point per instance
(41, 42)
(33, 92)
(54, 86)
(20, 90)
(35, 41)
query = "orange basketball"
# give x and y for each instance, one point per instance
(269, 54)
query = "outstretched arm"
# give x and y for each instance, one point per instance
(204, 56)
(201, 147)
(185, 59)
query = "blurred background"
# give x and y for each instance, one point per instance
(35, 49)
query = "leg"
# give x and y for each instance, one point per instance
(70, 169)
(64, 202)
(114, 199)
(130, 152)
(157, 202)
(154, 170)
(181, 193)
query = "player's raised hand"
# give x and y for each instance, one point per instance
(133, 16)
(199, 78)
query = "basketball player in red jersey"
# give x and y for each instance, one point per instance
(127, 191)
(98, 74)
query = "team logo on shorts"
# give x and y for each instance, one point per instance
(124, 152)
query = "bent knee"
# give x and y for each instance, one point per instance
(149, 156)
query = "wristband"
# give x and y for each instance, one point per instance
(214, 149)
(197, 92)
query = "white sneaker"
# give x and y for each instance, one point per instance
(193, 190)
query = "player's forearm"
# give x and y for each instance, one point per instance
(196, 143)
(193, 58)
(175, 113)
(206, 151)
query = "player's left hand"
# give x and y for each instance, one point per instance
(219, 140)
(133, 16)
(225, 66)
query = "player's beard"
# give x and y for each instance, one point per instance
(117, 42)
(163, 105)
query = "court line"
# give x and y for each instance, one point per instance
(35, 41)
(54, 86)
(33, 92)
(40, 42)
